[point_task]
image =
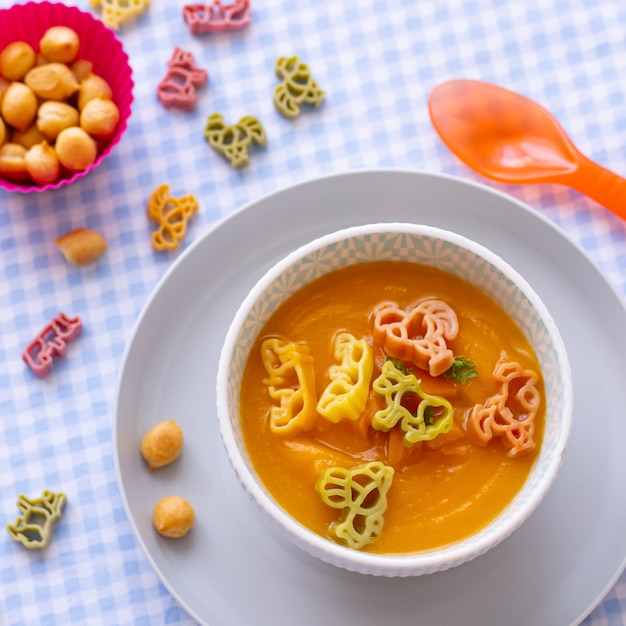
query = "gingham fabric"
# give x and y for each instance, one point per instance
(377, 60)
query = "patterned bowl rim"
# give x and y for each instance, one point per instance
(394, 564)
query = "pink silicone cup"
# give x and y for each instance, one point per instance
(98, 44)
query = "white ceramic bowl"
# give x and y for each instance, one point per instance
(420, 244)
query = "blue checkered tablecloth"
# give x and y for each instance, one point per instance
(377, 60)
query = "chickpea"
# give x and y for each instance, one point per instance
(43, 164)
(53, 117)
(16, 59)
(162, 444)
(76, 149)
(53, 81)
(173, 516)
(40, 60)
(19, 106)
(28, 138)
(91, 87)
(4, 85)
(82, 246)
(81, 69)
(12, 163)
(60, 44)
(99, 118)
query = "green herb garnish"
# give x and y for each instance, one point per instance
(430, 415)
(461, 370)
(397, 363)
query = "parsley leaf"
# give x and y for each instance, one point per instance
(461, 370)
(397, 363)
(430, 415)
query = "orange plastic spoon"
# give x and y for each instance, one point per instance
(509, 138)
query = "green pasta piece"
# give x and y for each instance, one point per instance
(393, 385)
(361, 494)
(297, 88)
(33, 528)
(234, 142)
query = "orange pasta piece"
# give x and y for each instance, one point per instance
(510, 413)
(419, 334)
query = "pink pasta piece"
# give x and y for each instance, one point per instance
(419, 334)
(178, 88)
(182, 60)
(509, 414)
(215, 17)
(51, 342)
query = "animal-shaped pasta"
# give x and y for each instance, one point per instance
(172, 214)
(234, 141)
(346, 393)
(297, 88)
(51, 342)
(434, 414)
(419, 334)
(509, 414)
(292, 383)
(117, 12)
(361, 494)
(215, 17)
(178, 88)
(33, 527)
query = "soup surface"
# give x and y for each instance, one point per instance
(444, 488)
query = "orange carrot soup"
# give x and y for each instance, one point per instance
(392, 407)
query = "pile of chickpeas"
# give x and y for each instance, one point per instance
(53, 109)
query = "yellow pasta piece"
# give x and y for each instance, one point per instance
(434, 414)
(172, 214)
(346, 393)
(292, 383)
(361, 493)
(117, 12)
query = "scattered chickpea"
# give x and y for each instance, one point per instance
(162, 444)
(82, 246)
(173, 516)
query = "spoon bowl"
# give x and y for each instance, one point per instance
(512, 139)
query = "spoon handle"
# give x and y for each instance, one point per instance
(601, 185)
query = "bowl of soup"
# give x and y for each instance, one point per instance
(395, 398)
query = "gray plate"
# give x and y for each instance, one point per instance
(232, 568)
